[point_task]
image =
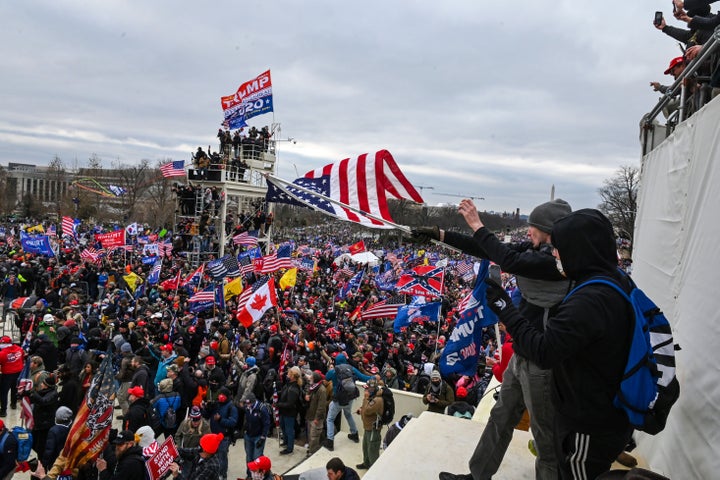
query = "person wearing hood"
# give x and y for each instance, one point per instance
(44, 348)
(130, 461)
(76, 357)
(56, 436)
(47, 327)
(166, 399)
(247, 381)
(438, 394)
(70, 395)
(203, 463)
(585, 344)
(526, 385)
(341, 363)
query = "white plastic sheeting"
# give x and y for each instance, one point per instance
(676, 260)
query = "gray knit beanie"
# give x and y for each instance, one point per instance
(544, 215)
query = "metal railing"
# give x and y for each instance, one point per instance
(647, 125)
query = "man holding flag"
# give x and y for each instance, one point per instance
(525, 384)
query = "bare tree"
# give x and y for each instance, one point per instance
(619, 200)
(136, 180)
(56, 186)
(161, 200)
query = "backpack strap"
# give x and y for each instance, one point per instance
(601, 281)
(2, 442)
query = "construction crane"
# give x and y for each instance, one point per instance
(461, 196)
(423, 187)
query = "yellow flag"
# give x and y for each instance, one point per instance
(133, 280)
(36, 229)
(288, 279)
(233, 288)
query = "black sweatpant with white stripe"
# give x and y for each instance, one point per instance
(584, 456)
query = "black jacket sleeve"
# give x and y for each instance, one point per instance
(680, 34)
(519, 259)
(705, 23)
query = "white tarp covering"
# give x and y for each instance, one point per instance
(676, 260)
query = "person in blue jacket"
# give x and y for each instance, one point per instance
(337, 404)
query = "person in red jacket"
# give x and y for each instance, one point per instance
(12, 360)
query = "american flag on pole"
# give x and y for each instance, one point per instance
(223, 267)
(207, 295)
(363, 183)
(154, 276)
(25, 384)
(89, 433)
(173, 169)
(276, 261)
(92, 255)
(245, 239)
(68, 226)
(384, 308)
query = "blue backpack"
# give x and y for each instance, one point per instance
(649, 387)
(24, 440)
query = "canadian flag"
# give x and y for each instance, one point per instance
(357, 247)
(258, 303)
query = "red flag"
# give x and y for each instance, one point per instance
(172, 283)
(424, 280)
(357, 247)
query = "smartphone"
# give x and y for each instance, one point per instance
(494, 275)
(658, 18)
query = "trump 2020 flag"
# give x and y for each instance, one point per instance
(461, 352)
(363, 183)
(422, 313)
(252, 98)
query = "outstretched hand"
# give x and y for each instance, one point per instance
(469, 212)
(425, 234)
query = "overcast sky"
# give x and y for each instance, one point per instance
(492, 99)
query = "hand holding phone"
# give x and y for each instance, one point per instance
(658, 18)
(494, 275)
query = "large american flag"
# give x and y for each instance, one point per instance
(384, 308)
(245, 239)
(173, 169)
(363, 183)
(89, 433)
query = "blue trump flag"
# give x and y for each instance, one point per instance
(425, 312)
(463, 348)
(39, 244)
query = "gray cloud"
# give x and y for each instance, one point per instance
(496, 100)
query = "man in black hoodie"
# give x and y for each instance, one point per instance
(130, 462)
(585, 344)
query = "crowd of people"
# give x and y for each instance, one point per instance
(197, 374)
(214, 375)
(704, 84)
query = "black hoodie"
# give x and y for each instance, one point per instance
(586, 342)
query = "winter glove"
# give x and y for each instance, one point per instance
(425, 234)
(497, 298)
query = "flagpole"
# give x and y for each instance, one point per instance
(371, 216)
